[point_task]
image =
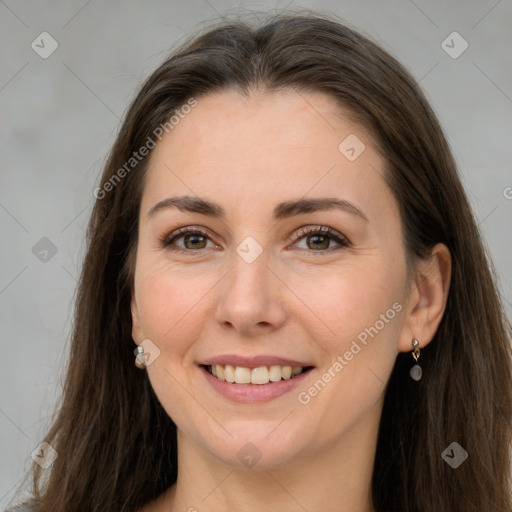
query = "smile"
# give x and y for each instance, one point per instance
(260, 375)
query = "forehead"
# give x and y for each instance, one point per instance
(256, 149)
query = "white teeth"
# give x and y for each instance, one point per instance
(242, 375)
(229, 373)
(275, 373)
(259, 375)
(286, 372)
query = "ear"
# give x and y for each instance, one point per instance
(136, 326)
(427, 298)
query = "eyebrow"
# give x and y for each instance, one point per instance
(281, 211)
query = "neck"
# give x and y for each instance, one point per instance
(336, 477)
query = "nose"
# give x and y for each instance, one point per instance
(250, 300)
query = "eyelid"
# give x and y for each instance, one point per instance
(326, 230)
(341, 240)
(166, 241)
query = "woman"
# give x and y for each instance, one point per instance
(281, 235)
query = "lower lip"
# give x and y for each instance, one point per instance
(254, 393)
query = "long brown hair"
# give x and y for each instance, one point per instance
(117, 446)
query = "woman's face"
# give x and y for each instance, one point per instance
(260, 283)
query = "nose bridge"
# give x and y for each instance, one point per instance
(247, 281)
(249, 273)
(249, 295)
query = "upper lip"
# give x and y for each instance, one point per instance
(254, 361)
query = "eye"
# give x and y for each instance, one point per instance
(316, 238)
(193, 238)
(319, 238)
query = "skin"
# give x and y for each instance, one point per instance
(249, 154)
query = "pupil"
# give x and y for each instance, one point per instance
(194, 240)
(315, 238)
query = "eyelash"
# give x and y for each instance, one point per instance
(343, 242)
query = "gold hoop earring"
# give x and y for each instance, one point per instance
(416, 372)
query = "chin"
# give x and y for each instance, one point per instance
(257, 445)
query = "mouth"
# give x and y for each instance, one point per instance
(258, 376)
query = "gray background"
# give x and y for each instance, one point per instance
(60, 116)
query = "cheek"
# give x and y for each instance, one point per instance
(349, 301)
(359, 312)
(172, 317)
(171, 307)
(358, 320)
